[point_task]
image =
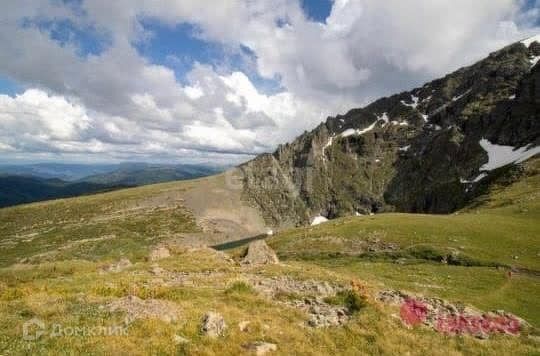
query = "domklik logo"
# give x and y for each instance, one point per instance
(33, 329)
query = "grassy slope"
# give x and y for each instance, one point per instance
(67, 241)
(109, 225)
(501, 228)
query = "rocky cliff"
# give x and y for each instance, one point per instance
(430, 149)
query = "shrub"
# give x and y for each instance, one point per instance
(354, 301)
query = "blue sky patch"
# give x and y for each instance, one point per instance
(317, 10)
(176, 47)
(179, 47)
(245, 61)
(88, 40)
(531, 5)
(9, 87)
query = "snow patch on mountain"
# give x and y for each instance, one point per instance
(474, 180)
(350, 132)
(534, 60)
(405, 148)
(499, 155)
(384, 118)
(528, 41)
(328, 144)
(456, 98)
(318, 220)
(414, 102)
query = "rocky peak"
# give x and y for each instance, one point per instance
(411, 151)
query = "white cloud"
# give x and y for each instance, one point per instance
(38, 122)
(34, 113)
(121, 105)
(193, 92)
(369, 48)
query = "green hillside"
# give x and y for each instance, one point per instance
(61, 264)
(478, 246)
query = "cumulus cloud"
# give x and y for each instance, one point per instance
(231, 118)
(119, 104)
(368, 48)
(38, 114)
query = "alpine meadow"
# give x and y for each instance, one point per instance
(176, 179)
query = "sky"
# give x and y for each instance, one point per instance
(198, 81)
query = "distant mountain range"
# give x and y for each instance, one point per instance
(16, 189)
(21, 184)
(141, 173)
(64, 171)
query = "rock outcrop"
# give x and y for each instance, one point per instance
(137, 308)
(449, 318)
(259, 253)
(213, 325)
(417, 151)
(310, 296)
(260, 348)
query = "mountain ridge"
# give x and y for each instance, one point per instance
(416, 151)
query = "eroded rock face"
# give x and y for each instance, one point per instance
(213, 325)
(259, 253)
(137, 308)
(417, 151)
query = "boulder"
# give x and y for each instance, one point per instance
(178, 340)
(259, 253)
(213, 325)
(244, 325)
(260, 347)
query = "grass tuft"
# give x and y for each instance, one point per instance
(351, 300)
(239, 287)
